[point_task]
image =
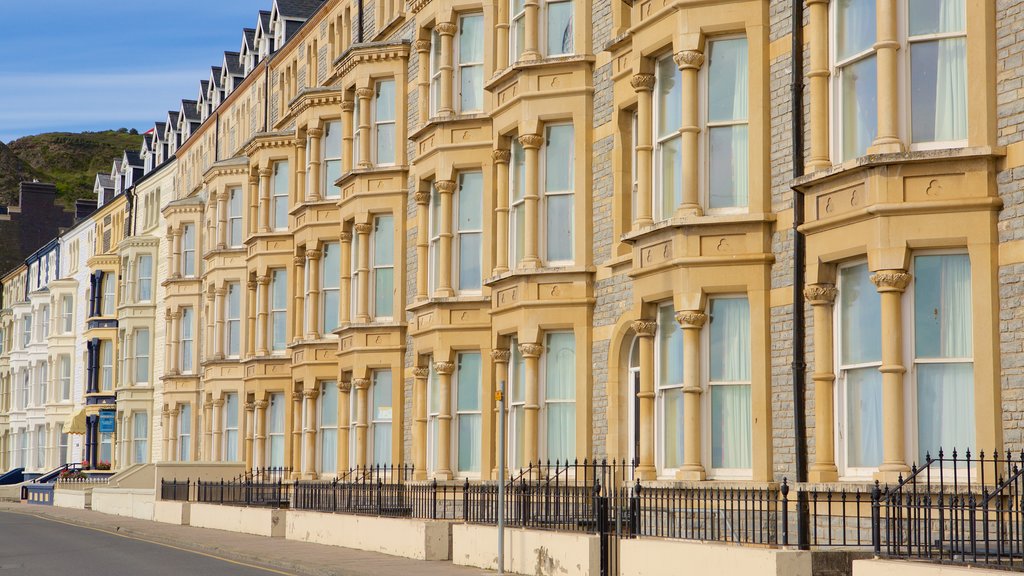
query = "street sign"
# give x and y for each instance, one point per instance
(107, 422)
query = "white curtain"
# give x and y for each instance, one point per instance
(560, 394)
(864, 417)
(468, 408)
(329, 427)
(730, 403)
(951, 75)
(382, 414)
(670, 381)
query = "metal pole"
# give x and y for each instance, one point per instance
(500, 398)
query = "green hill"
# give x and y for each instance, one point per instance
(69, 160)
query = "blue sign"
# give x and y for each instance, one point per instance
(106, 422)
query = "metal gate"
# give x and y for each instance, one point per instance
(617, 518)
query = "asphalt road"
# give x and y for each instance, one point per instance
(33, 546)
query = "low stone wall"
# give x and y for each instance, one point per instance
(259, 521)
(663, 557)
(131, 502)
(534, 552)
(171, 512)
(78, 499)
(913, 568)
(417, 539)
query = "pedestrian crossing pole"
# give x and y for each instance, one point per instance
(499, 397)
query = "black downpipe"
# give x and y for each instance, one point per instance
(266, 96)
(799, 336)
(359, 28)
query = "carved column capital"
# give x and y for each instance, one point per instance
(642, 82)
(314, 254)
(344, 386)
(345, 236)
(501, 356)
(263, 280)
(422, 198)
(421, 45)
(445, 186)
(299, 260)
(219, 402)
(689, 59)
(421, 372)
(250, 284)
(820, 294)
(261, 404)
(310, 394)
(891, 280)
(446, 29)
(266, 172)
(347, 105)
(361, 383)
(691, 318)
(444, 368)
(531, 140)
(531, 350)
(364, 93)
(315, 132)
(501, 156)
(250, 406)
(363, 228)
(645, 327)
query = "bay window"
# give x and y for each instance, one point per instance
(67, 317)
(328, 436)
(330, 286)
(433, 419)
(384, 122)
(517, 203)
(331, 151)
(107, 284)
(140, 438)
(26, 330)
(559, 28)
(381, 415)
(468, 411)
(279, 196)
(517, 29)
(860, 382)
(469, 231)
(106, 365)
(383, 266)
(188, 251)
(44, 322)
(560, 396)
(669, 395)
(185, 433)
(64, 361)
(727, 149)
(470, 63)
(434, 241)
(187, 338)
(729, 381)
(278, 309)
(559, 176)
(235, 235)
(937, 38)
(668, 145)
(353, 271)
(233, 317)
(943, 353)
(856, 76)
(357, 158)
(142, 351)
(275, 431)
(435, 71)
(144, 270)
(516, 407)
(230, 419)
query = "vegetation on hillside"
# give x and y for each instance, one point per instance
(69, 160)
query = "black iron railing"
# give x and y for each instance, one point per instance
(260, 487)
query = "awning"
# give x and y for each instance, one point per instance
(76, 425)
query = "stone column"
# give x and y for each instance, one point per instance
(264, 205)
(260, 423)
(299, 281)
(264, 309)
(222, 220)
(296, 435)
(249, 423)
(250, 318)
(447, 31)
(364, 95)
(166, 432)
(345, 306)
(444, 272)
(313, 330)
(344, 423)
(817, 78)
(175, 364)
(362, 386)
(218, 428)
(886, 46)
(252, 225)
(501, 159)
(209, 346)
(419, 429)
(175, 253)
(301, 191)
(891, 284)
(500, 359)
(501, 40)
(821, 298)
(422, 244)
(531, 436)
(532, 32)
(422, 48)
(346, 135)
(207, 430)
(174, 433)
(309, 470)
(644, 86)
(646, 469)
(363, 290)
(531, 196)
(689, 62)
(313, 194)
(443, 466)
(691, 322)
(220, 311)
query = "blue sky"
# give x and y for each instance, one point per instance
(74, 65)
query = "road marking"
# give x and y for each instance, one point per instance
(165, 545)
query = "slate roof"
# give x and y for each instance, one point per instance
(301, 9)
(215, 75)
(234, 66)
(188, 108)
(249, 36)
(133, 157)
(265, 21)
(173, 115)
(104, 180)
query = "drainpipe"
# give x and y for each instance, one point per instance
(266, 94)
(799, 360)
(359, 29)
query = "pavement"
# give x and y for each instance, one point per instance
(45, 540)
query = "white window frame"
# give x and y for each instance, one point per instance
(187, 359)
(660, 390)
(278, 196)
(660, 141)
(236, 209)
(375, 267)
(516, 207)
(516, 408)
(67, 314)
(459, 414)
(836, 114)
(44, 321)
(705, 84)
(230, 447)
(106, 352)
(547, 195)
(515, 21)
(433, 418)
(140, 444)
(375, 422)
(707, 383)
(461, 66)
(64, 362)
(272, 458)
(188, 250)
(278, 311)
(322, 428)
(329, 285)
(377, 123)
(144, 280)
(329, 188)
(544, 29)
(459, 233)
(185, 433)
(434, 241)
(233, 320)
(434, 63)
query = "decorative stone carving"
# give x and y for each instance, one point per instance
(263, 280)
(314, 254)
(891, 280)
(364, 93)
(261, 404)
(445, 186)
(531, 141)
(502, 156)
(421, 45)
(266, 172)
(344, 386)
(645, 327)
(642, 82)
(361, 383)
(363, 228)
(347, 105)
(691, 318)
(315, 133)
(345, 236)
(422, 198)
(501, 356)
(310, 394)
(689, 59)
(446, 29)
(820, 293)
(421, 372)
(444, 368)
(531, 350)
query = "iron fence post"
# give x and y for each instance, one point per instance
(876, 519)
(785, 512)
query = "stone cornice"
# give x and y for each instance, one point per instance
(369, 53)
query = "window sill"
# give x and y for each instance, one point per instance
(897, 158)
(440, 301)
(502, 75)
(436, 121)
(541, 271)
(694, 221)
